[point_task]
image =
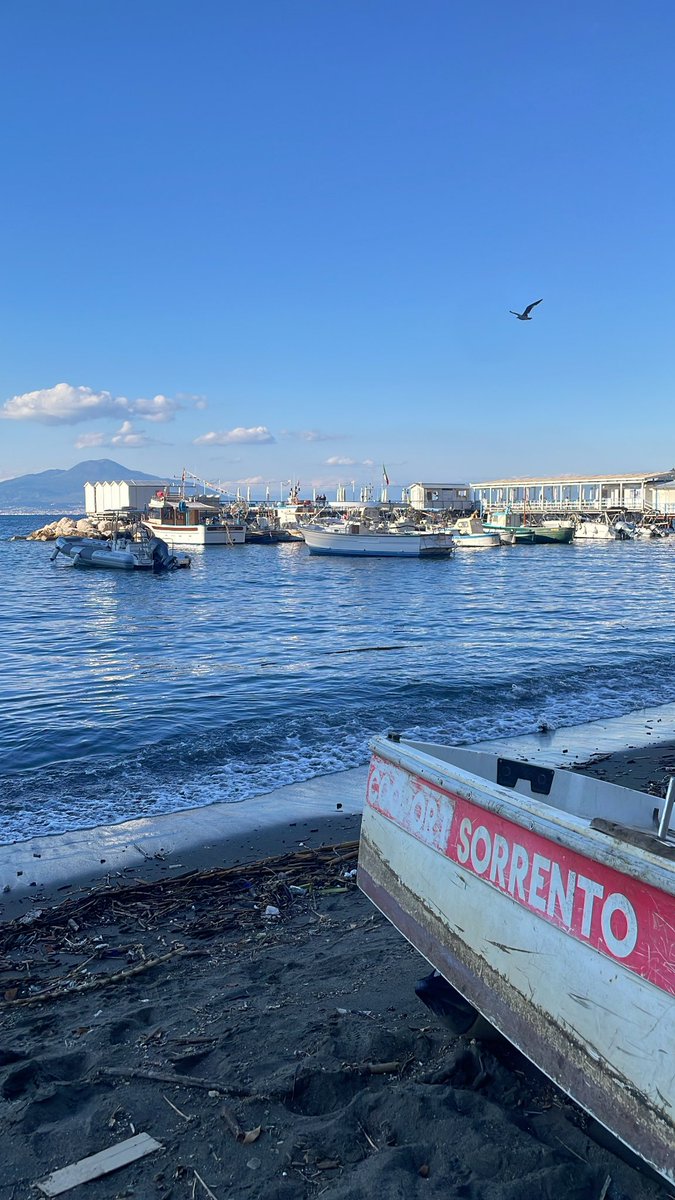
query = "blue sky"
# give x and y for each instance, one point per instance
(282, 238)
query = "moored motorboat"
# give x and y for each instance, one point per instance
(547, 900)
(130, 550)
(599, 531)
(358, 538)
(469, 533)
(509, 526)
(182, 519)
(550, 530)
(554, 530)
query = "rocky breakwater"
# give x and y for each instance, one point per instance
(69, 527)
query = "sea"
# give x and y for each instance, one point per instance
(127, 694)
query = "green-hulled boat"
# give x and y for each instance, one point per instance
(511, 528)
(554, 531)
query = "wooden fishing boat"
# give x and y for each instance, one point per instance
(471, 534)
(356, 538)
(547, 899)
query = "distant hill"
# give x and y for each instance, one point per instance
(60, 491)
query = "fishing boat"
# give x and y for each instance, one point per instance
(551, 530)
(133, 549)
(546, 899)
(554, 531)
(359, 538)
(469, 533)
(509, 525)
(182, 519)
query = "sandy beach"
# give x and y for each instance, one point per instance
(276, 1054)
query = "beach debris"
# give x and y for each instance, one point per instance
(245, 1136)
(177, 1110)
(190, 1081)
(272, 912)
(369, 1068)
(197, 905)
(30, 918)
(99, 981)
(605, 1188)
(211, 1195)
(97, 1165)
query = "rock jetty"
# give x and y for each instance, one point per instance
(69, 527)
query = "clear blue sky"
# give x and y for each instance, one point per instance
(301, 225)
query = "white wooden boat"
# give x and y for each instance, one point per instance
(183, 520)
(469, 533)
(547, 899)
(131, 550)
(359, 538)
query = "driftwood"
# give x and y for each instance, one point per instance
(188, 1081)
(90, 985)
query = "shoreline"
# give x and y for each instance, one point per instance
(640, 746)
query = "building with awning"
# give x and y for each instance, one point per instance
(633, 492)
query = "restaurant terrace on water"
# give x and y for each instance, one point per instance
(636, 494)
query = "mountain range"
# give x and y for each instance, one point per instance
(60, 491)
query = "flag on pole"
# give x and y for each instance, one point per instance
(385, 476)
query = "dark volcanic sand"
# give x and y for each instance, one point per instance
(284, 1015)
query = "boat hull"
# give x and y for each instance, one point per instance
(198, 535)
(378, 545)
(477, 541)
(433, 858)
(562, 534)
(597, 531)
(523, 535)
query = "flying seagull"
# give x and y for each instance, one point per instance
(525, 316)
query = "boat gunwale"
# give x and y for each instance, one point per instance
(547, 820)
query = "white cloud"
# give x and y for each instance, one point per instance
(65, 404)
(258, 434)
(336, 461)
(159, 408)
(126, 438)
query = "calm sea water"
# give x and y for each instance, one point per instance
(126, 694)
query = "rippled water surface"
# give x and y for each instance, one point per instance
(128, 694)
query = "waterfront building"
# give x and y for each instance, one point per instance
(115, 496)
(440, 497)
(637, 492)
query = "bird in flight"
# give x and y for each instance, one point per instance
(525, 316)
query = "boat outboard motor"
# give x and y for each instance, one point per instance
(162, 559)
